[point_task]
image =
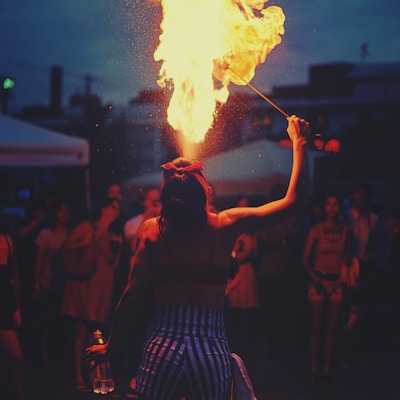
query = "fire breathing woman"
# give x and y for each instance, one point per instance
(184, 257)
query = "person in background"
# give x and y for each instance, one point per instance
(243, 299)
(88, 303)
(151, 207)
(391, 339)
(114, 191)
(276, 254)
(242, 201)
(27, 229)
(10, 311)
(327, 248)
(49, 282)
(183, 256)
(364, 317)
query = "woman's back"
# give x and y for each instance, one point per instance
(187, 268)
(188, 315)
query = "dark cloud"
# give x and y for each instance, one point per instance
(115, 40)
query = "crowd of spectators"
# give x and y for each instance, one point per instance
(286, 297)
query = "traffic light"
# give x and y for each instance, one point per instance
(8, 83)
(6, 91)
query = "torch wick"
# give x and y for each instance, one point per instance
(262, 95)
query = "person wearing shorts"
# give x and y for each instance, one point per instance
(327, 248)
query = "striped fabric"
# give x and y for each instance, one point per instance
(186, 354)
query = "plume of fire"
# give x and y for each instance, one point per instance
(205, 45)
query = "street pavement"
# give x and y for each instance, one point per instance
(271, 380)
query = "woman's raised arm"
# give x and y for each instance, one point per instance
(250, 219)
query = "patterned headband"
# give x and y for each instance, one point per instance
(195, 167)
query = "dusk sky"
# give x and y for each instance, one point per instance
(113, 41)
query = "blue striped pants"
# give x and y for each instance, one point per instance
(186, 353)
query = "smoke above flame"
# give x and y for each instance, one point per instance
(204, 46)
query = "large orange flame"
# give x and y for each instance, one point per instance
(205, 45)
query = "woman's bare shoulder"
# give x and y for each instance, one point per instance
(149, 228)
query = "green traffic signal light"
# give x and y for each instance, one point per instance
(8, 83)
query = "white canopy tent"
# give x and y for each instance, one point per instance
(24, 144)
(251, 169)
(31, 156)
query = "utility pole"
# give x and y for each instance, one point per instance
(364, 53)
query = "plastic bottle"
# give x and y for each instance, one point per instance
(99, 368)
